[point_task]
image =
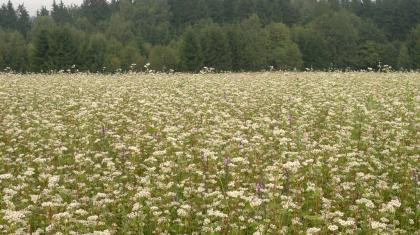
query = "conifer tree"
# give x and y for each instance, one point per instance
(413, 45)
(42, 12)
(63, 49)
(39, 57)
(23, 22)
(191, 54)
(8, 16)
(404, 61)
(215, 48)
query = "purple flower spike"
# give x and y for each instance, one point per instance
(103, 130)
(415, 176)
(226, 161)
(290, 117)
(259, 187)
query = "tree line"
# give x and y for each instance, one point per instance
(227, 35)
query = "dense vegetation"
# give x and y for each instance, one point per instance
(232, 153)
(234, 35)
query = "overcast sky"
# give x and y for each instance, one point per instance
(33, 5)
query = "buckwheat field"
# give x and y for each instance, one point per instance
(256, 153)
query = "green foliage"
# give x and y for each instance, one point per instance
(215, 48)
(287, 57)
(60, 13)
(39, 24)
(340, 30)
(369, 31)
(119, 28)
(404, 60)
(237, 35)
(96, 10)
(413, 45)
(389, 54)
(373, 54)
(163, 58)
(186, 12)
(313, 46)
(236, 44)
(93, 53)
(42, 12)
(40, 49)
(151, 20)
(13, 51)
(370, 54)
(131, 58)
(191, 52)
(253, 53)
(23, 24)
(55, 49)
(8, 16)
(62, 48)
(284, 53)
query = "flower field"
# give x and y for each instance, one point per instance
(250, 153)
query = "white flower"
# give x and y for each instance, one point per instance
(313, 230)
(347, 223)
(255, 202)
(293, 166)
(332, 227)
(92, 218)
(6, 176)
(216, 213)
(81, 212)
(368, 203)
(391, 206)
(182, 213)
(53, 180)
(234, 194)
(13, 216)
(136, 206)
(105, 232)
(377, 225)
(143, 194)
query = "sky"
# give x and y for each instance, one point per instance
(33, 5)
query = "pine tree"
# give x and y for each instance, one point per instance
(191, 54)
(93, 53)
(60, 13)
(254, 53)
(14, 51)
(23, 22)
(413, 45)
(340, 31)
(163, 58)
(96, 10)
(151, 21)
(287, 57)
(63, 49)
(42, 12)
(131, 58)
(39, 57)
(313, 46)
(404, 61)
(283, 53)
(8, 16)
(215, 48)
(236, 45)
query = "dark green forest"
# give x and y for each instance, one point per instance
(227, 35)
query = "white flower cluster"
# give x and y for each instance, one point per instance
(246, 153)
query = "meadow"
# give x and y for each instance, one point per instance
(246, 153)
